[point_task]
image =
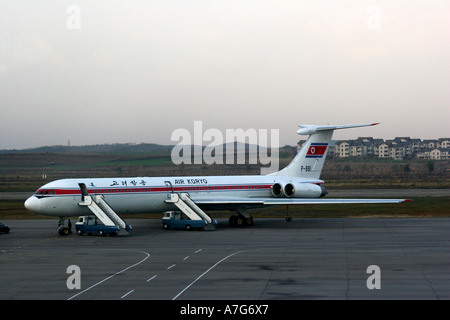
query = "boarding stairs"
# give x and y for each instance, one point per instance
(103, 211)
(189, 208)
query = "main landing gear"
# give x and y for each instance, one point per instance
(241, 219)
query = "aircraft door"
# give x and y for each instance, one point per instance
(84, 191)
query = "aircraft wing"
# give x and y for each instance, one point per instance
(292, 201)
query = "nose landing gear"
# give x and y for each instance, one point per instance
(62, 229)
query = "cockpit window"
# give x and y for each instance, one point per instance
(41, 192)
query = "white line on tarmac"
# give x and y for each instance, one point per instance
(151, 278)
(115, 274)
(198, 278)
(126, 294)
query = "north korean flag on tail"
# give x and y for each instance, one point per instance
(316, 150)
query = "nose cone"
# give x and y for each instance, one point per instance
(33, 204)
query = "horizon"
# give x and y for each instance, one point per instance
(203, 145)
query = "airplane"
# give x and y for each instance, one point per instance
(297, 184)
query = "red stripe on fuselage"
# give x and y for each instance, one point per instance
(70, 192)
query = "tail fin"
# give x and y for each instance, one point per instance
(308, 162)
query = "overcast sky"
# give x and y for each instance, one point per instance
(112, 71)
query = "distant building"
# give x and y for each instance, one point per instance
(434, 154)
(399, 148)
(444, 143)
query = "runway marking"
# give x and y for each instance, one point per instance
(170, 267)
(115, 274)
(152, 278)
(187, 257)
(200, 276)
(198, 250)
(126, 294)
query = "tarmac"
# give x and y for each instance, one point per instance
(319, 258)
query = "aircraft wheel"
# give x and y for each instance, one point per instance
(232, 221)
(249, 221)
(63, 232)
(239, 221)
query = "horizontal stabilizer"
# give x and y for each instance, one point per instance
(307, 129)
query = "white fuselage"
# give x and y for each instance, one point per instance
(61, 198)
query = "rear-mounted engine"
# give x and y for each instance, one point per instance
(304, 190)
(277, 190)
